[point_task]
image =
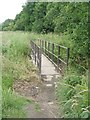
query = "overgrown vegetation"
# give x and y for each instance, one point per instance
(59, 18)
(62, 23)
(16, 65)
(72, 95)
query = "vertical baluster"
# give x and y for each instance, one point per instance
(48, 49)
(52, 51)
(42, 46)
(37, 57)
(45, 46)
(58, 61)
(40, 60)
(35, 53)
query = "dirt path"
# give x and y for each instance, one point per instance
(42, 92)
(47, 101)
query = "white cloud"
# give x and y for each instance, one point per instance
(9, 8)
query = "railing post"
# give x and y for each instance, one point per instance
(38, 43)
(52, 51)
(40, 53)
(40, 60)
(42, 45)
(35, 53)
(68, 50)
(58, 61)
(45, 46)
(37, 56)
(48, 49)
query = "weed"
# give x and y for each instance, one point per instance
(16, 64)
(72, 94)
(37, 107)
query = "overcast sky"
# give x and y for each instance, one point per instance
(9, 8)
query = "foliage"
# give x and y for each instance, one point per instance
(63, 23)
(7, 25)
(15, 62)
(73, 96)
(12, 104)
(60, 18)
(0, 27)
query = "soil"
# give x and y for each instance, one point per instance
(43, 93)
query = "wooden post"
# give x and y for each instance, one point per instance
(52, 51)
(58, 61)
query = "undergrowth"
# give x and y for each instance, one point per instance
(15, 65)
(72, 90)
(72, 94)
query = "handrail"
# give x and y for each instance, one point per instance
(55, 44)
(48, 48)
(36, 51)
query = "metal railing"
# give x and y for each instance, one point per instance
(57, 54)
(36, 52)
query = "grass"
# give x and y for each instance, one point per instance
(72, 93)
(0, 77)
(16, 65)
(72, 88)
(37, 107)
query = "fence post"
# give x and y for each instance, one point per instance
(58, 61)
(52, 51)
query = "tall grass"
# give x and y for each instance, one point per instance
(0, 76)
(72, 94)
(72, 88)
(15, 50)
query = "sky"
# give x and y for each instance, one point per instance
(9, 8)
